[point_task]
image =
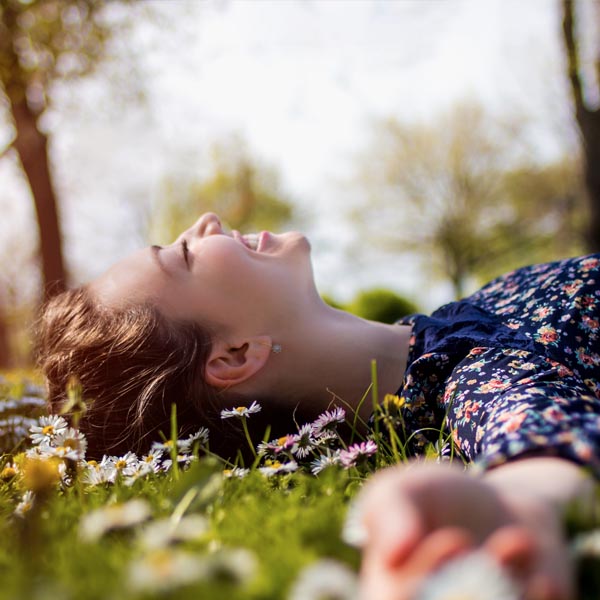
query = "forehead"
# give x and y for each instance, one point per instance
(135, 279)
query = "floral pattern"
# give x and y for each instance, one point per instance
(512, 370)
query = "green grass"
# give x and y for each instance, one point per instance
(259, 532)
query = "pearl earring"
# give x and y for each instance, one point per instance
(276, 348)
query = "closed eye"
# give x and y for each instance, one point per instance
(185, 252)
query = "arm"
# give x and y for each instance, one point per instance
(557, 481)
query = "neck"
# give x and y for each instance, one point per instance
(329, 359)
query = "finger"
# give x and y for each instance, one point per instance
(393, 523)
(514, 548)
(379, 581)
(545, 587)
(438, 548)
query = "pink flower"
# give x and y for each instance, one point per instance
(357, 452)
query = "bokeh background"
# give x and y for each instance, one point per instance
(424, 146)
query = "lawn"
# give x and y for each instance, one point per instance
(179, 524)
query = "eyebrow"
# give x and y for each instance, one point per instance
(155, 250)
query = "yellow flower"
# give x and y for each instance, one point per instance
(40, 475)
(393, 401)
(9, 472)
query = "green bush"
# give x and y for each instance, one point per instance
(332, 301)
(379, 304)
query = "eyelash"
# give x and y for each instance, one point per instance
(185, 252)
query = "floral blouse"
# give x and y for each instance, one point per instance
(513, 369)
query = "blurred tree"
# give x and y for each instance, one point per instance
(457, 192)
(42, 42)
(246, 195)
(588, 116)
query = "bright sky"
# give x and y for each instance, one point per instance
(301, 81)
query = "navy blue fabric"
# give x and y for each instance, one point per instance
(512, 370)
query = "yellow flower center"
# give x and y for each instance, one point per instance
(227, 472)
(8, 473)
(282, 441)
(120, 464)
(72, 444)
(92, 463)
(48, 430)
(240, 409)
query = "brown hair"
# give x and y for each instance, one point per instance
(132, 364)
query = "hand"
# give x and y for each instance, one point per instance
(420, 516)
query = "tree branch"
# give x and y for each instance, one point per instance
(572, 57)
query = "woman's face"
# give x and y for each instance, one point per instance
(223, 279)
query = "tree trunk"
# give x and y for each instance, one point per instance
(588, 121)
(5, 358)
(32, 146)
(590, 131)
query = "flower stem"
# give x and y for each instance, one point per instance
(175, 464)
(248, 438)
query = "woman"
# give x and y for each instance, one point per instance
(219, 319)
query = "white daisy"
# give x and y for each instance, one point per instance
(16, 426)
(236, 565)
(325, 460)
(33, 389)
(354, 532)
(276, 468)
(96, 523)
(588, 543)
(47, 429)
(165, 569)
(26, 504)
(153, 459)
(69, 443)
(165, 446)
(37, 452)
(241, 411)
(303, 441)
(475, 576)
(276, 446)
(96, 474)
(183, 460)
(235, 472)
(140, 470)
(116, 466)
(326, 579)
(442, 450)
(326, 438)
(163, 532)
(27, 402)
(200, 437)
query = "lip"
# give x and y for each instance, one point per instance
(263, 240)
(237, 236)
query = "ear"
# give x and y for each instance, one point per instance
(232, 362)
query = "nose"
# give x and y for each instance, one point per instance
(208, 224)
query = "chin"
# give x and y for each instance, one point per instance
(300, 240)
